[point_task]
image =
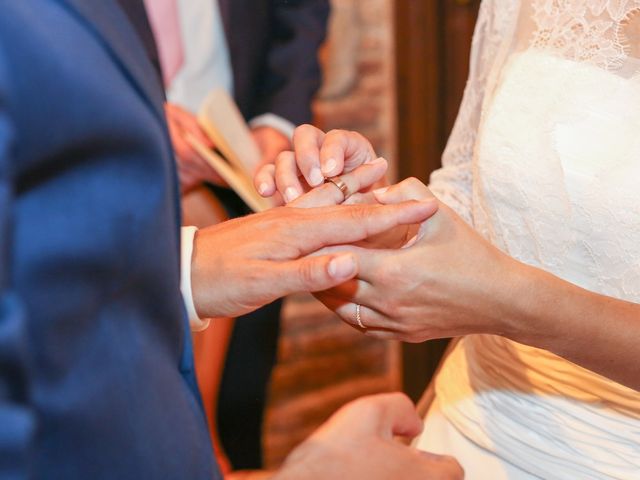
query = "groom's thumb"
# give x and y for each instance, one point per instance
(314, 274)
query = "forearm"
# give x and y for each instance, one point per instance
(594, 331)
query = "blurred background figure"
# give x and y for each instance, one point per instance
(264, 53)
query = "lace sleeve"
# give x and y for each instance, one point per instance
(452, 183)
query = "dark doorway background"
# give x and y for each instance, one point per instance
(433, 38)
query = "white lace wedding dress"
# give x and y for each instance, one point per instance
(544, 161)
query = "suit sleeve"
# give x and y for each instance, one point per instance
(292, 72)
(17, 421)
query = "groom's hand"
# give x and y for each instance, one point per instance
(359, 442)
(242, 264)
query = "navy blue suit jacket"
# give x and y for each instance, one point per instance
(96, 373)
(273, 45)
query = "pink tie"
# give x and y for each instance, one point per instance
(165, 23)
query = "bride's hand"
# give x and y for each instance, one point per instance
(316, 156)
(448, 283)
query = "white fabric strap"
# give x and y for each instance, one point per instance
(274, 121)
(188, 235)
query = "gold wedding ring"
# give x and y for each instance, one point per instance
(338, 182)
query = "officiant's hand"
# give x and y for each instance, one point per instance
(242, 264)
(316, 155)
(193, 170)
(358, 443)
(450, 282)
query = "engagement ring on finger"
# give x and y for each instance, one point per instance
(359, 317)
(337, 181)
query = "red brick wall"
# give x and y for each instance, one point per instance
(324, 363)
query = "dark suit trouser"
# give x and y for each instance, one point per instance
(245, 384)
(245, 381)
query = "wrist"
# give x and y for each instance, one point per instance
(529, 293)
(200, 283)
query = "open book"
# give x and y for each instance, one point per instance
(236, 154)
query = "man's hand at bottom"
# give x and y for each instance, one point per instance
(358, 442)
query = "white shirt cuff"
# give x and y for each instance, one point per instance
(274, 121)
(188, 235)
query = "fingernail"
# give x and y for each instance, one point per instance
(290, 194)
(262, 188)
(380, 191)
(412, 241)
(378, 161)
(315, 177)
(343, 266)
(328, 166)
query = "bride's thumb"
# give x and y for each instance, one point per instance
(409, 189)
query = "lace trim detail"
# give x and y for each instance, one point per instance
(452, 183)
(589, 31)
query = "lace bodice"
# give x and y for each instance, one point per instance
(544, 161)
(603, 33)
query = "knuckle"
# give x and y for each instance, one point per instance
(272, 221)
(337, 139)
(308, 274)
(296, 218)
(305, 134)
(261, 172)
(401, 397)
(359, 138)
(303, 129)
(398, 399)
(287, 219)
(384, 305)
(283, 158)
(359, 213)
(370, 407)
(412, 182)
(394, 271)
(336, 132)
(263, 175)
(279, 161)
